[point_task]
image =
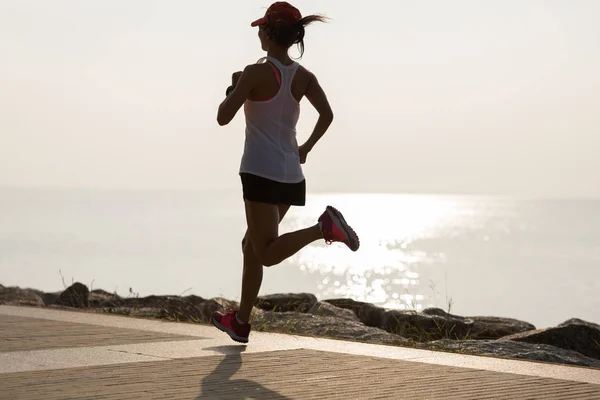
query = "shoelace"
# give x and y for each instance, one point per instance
(327, 232)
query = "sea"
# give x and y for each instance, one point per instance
(530, 259)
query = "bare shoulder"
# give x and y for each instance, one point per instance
(304, 76)
(253, 68)
(252, 74)
(259, 71)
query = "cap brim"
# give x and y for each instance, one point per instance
(258, 22)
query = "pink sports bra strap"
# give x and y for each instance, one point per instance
(276, 71)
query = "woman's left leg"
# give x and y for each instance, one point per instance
(253, 273)
(232, 323)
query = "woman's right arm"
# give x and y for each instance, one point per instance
(242, 85)
(318, 99)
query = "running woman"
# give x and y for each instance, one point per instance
(270, 171)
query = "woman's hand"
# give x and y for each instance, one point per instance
(235, 77)
(303, 152)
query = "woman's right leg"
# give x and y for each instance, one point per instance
(269, 247)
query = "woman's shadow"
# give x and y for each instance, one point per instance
(219, 383)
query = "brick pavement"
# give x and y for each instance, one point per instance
(212, 367)
(22, 333)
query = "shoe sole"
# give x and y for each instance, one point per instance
(233, 336)
(352, 240)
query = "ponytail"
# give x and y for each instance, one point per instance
(293, 34)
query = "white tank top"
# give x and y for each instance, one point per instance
(270, 148)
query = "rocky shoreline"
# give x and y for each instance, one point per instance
(575, 341)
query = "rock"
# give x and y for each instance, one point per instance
(329, 310)
(438, 312)
(188, 308)
(486, 327)
(177, 310)
(496, 327)
(583, 339)
(148, 301)
(298, 302)
(368, 314)
(17, 296)
(512, 349)
(50, 298)
(371, 315)
(217, 304)
(348, 304)
(193, 299)
(102, 298)
(423, 327)
(75, 295)
(324, 326)
(101, 292)
(577, 321)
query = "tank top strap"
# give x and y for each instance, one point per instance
(287, 71)
(279, 65)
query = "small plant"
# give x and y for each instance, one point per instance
(134, 295)
(62, 278)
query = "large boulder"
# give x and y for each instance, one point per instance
(368, 314)
(17, 296)
(423, 327)
(348, 304)
(371, 315)
(75, 295)
(323, 326)
(577, 321)
(513, 349)
(485, 327)
(497, 327)
(583, 339)
(298, 302)
(329, 310)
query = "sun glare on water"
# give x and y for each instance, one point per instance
(385, 270)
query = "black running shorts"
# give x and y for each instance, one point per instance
(262, 190)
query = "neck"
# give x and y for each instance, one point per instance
(281, 55)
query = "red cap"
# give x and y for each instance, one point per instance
(279, 13)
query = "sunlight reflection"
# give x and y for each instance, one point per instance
(385, 270)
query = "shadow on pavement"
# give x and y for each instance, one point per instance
(220, 385)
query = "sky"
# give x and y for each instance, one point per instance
(432, 96)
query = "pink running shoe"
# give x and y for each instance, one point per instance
(229, 324)
(335, 229)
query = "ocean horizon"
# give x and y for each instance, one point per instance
(526, 258)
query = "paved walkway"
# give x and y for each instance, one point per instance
(49, 354)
